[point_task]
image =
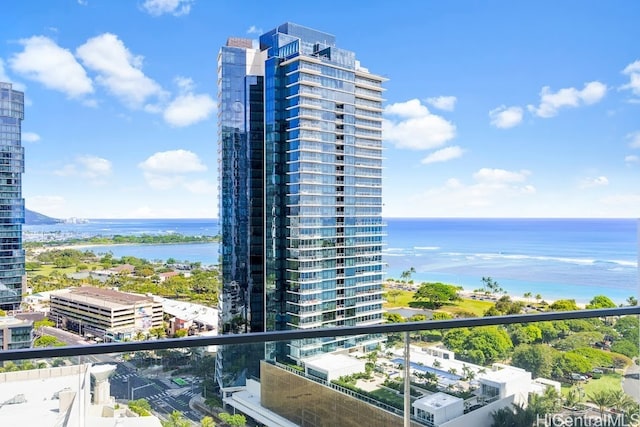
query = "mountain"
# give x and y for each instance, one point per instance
(35, 218)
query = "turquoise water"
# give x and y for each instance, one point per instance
(557, 258)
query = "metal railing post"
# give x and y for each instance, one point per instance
(407, 380)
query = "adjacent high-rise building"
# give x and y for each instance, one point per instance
(12, 279)
(300, 161)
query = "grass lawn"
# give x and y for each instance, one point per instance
(607, 382)
(388, 397)
(400, 298)
(468, 305)
(47, 269)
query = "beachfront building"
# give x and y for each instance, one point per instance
(105, 313)
(300, 155)
(12, 275)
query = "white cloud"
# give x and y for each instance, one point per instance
(87, 166)
(551, 103)
(599, 181)
(446, 103)
(505, 117)
(500, 176)
(443, 155)
(627, 200)
(167, 170)
(490, 190)
(30, 137)
(632, 159)
(44, 61)
(633, 71)
(634, 139)
(410, 125)
(173, 162)
(47, 205)
(119, 70)
(161, 7)
(188, 108)
(6, 79)
(254, 30)
(94, 167)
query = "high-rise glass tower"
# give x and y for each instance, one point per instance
(300, 160)
(12, 280)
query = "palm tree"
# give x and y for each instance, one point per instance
(406, 275)
(207, 422)
(603, 399)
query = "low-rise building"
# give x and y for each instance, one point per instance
(438, 408)
(105, 313)
(15, 333)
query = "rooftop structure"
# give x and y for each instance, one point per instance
(62, 396)
(438, 408)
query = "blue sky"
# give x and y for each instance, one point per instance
(493, 109)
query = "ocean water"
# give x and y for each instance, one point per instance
(556, 258)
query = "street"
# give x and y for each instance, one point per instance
(163, 395)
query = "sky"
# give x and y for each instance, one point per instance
(493, 109)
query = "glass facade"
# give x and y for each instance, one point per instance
(301, 189)
(11, 201)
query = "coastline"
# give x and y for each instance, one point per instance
(472, 295)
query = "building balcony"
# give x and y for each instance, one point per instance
(83, 383)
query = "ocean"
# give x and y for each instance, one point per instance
(556, 258)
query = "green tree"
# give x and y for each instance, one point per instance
(575, 363)
(406, 275)
(506, 306)
(549, 402)
(48, 341)
(602, 399)
(564, 305)
(140, 407)
(601, 301)
(207, 422)
(441, 315)
(436, 294)
(528, 334)
(32, 265)
(176, 419)
(394, 293)
(237, 420)
(490, 286)
(44, 322)
(480, 345)
(537, 359)
(625, 347)
(394, 318)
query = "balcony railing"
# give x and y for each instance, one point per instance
(143, 371)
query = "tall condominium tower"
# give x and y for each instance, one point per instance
(300, 160)
(11, 203)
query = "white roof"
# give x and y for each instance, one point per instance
(329, 361)
(436, 400)
(189, 311)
